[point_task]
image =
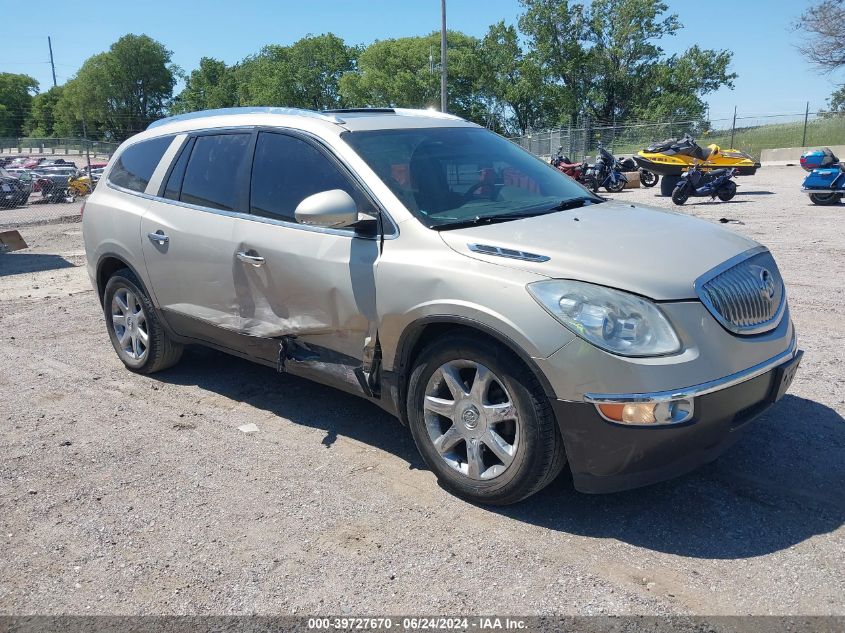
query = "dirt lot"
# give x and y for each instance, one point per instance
(135, 495)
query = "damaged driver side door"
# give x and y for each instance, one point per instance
(310, 289)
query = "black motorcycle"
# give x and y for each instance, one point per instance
(696, 183)
(608, 172)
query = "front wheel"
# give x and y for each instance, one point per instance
(134, 329)
(728, 191)
(482, 422)
(648, 178)
(681, 193)
(615, 187)
(825, 199)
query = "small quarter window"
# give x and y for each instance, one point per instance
(136, 164)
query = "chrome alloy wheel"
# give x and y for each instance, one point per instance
(471, 420)
(130, 325)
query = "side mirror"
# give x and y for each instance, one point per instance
(328, 209)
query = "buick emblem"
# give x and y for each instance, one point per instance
(470, 417)
(767, 284)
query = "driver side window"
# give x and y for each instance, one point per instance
(286, 170)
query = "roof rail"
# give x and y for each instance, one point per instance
(328, 116)
(429, 112)
(364, 110)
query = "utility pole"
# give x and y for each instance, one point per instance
(52, 63)
(806, 116)
(443, 101)
(87, 152)
(733, 128)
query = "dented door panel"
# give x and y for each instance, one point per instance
(315, 286)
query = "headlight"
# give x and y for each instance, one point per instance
(613, 320)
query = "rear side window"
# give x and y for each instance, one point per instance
(286, 170)
(212, 172)
(136, 164)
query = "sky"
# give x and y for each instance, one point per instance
(773, 76)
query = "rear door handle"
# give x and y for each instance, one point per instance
(159, 237)
(247, 258)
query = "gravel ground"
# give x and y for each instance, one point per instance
(126, 494)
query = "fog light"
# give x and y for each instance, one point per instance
(647, 413)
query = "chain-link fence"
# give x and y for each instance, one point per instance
(34, 182)
(749, 133)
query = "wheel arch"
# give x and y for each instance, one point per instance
(418, 334)
(107, 265)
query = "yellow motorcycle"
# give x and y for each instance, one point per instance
(79, 186)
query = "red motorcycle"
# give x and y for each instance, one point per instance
(579, 172)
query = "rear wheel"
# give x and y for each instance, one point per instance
(681, 193)
(728, 191)
(648, 178)
(482, 422)
(825, 199)
(134, 329)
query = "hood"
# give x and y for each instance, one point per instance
(651, 252)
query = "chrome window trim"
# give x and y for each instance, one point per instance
(358, 181)
(711, 274)
(701, 389)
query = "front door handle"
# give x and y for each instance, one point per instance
(159, 237)
(248, 258)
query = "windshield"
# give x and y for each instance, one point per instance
(449, 175)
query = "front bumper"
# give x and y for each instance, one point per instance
(609, 457)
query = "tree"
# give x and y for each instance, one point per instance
(120, 92)
(555, 30)
(512, 80)
(678, 83)
(15, 102)
(41, 119)
(397, 73)
(824, 23)
(836, 103)
(212, 85)
(306, 74)
(621, 41)
(603, 60)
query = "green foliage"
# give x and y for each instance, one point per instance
(566, 62)
(836, 103)
(512, 81)
(397, 72)
(212, 85)
(305, 75)
(15, 102)
(40, 122)
(120, 92)
(605, 62)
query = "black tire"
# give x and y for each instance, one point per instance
(539, 455)
(727, 192)
(681, 193)
(648, 178)
(619, 186)
(161, 352)
(668, 184)
(825, 199)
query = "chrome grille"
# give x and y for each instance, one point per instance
(746, 297)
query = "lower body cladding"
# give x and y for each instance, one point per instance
(606, 456)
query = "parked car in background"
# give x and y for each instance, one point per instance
(514, 320)
(24, 176)
(13, 193)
